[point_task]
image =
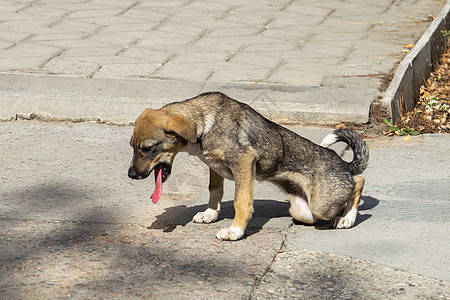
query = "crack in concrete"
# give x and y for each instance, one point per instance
(127, 9)
(265, 26)
(258, 281)
(303, 42)
(280, 63)
(100, 28)
(133, 43)
(206, 81)
(21, 41)
(200, 36)
(287, 5)
(161, 24)
(388, 7)
(327, 16)
(92, 74)
(229, 57)
(187, 3)
(163, 64)
(57, 54)
(28, 5)
(59, 20)
(225, 13)
(347, 55)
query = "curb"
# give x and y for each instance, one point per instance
(120, 101)
(404, 90)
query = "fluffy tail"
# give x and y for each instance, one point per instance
(360, 150)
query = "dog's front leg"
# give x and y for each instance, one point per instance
(215, 197)
(244, 177)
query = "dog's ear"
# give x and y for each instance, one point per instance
(183, 127)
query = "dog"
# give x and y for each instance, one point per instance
(239, 144)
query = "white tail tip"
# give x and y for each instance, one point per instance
(329, 140)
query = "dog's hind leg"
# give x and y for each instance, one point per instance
(351, 209)
(215, 197)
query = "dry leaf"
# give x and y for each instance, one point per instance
(407, 138)
(340, 126)
(432, 111)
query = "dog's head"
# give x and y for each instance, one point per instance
(157, 137)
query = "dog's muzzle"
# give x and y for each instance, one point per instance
(166, 170)
(133, 174)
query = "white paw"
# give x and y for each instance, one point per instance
(231, 233)
(345, 222)
(207, 216)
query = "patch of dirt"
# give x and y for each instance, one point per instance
(375, 127)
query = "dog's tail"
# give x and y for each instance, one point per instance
(360, 150)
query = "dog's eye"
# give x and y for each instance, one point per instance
(169, 133)
(151, 147)
(147, 148)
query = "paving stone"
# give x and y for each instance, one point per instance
(297, 77)
(44, 12)
(295, 20)
(57, 36)
(13, 36)
(70, 67)
(145, 54)
(99, 12)
(26, 24)
(240, 72)
(24, 63)
(160, 40)
(351, 81)
(30, 49)
(126, 70)
(375, 64)
(183, 72)
(90, 50)
(283, 42)
(256, 60)
(310, 9)
(203, 57)
(5, 45)
(112, 39)
(67, 25)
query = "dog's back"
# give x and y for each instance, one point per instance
(235, 125)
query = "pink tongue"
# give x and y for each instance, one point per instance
(158, 184)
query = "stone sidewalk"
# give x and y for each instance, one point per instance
(293, 60)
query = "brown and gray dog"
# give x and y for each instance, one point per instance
(239, 144)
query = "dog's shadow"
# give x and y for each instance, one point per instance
(264, 210)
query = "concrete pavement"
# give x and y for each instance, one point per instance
(295, 61)
(73, 225)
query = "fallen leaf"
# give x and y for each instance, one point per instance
(432, 111)
(341, 126)
(407, 138)
(409, 46)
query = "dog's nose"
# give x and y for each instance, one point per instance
(132, 173)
